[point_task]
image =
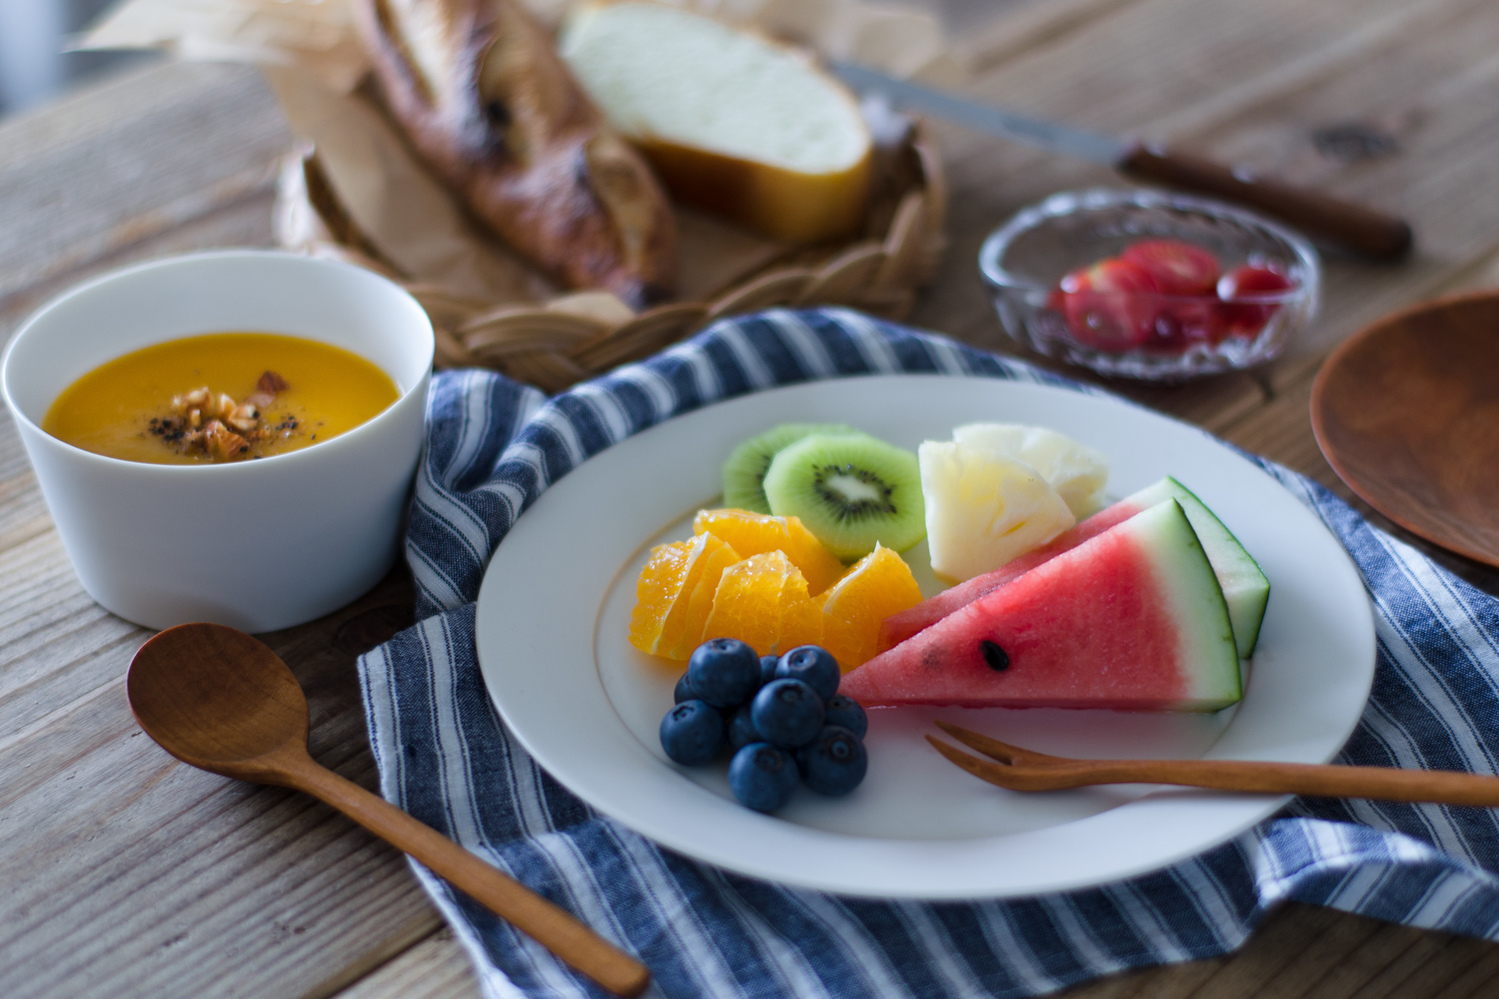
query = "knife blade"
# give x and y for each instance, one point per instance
(1325, 218)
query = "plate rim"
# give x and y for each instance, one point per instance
(1247, 810)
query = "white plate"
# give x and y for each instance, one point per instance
(556, 599)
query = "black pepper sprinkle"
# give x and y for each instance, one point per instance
(997, 658)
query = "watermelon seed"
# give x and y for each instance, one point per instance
(997, 658)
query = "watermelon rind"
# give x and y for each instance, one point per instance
(1199, 606)
(1245, 587)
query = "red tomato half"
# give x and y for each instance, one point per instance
(1246, 282)
(1178, 268)
(1185, 321)
(1111, 305)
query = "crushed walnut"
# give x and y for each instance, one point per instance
(219, 427)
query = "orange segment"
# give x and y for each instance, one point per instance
(717, 557)
(656, 590)
(878, 585)
(746, 604)
(801, 617)
(664, 590)
(753, 533)
(819, 565)
(763, 601)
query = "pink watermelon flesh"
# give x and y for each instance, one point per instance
(1131, 619)
(900, 626)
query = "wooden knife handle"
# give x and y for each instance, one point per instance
(1360, 229)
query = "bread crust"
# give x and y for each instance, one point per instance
(495, 113)
(775, 202)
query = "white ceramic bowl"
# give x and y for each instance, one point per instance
(258, 545)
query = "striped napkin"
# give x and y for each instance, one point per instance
(444, 756)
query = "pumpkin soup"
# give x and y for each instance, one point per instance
(219, 397)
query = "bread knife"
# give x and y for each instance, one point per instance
(1327, 219)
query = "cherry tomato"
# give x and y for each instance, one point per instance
(1178, 268)
(1241, 286)
(1185, 321)
(1111, 305)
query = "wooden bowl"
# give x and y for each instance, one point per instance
(1407, 413)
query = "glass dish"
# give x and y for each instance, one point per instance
(1171, 337)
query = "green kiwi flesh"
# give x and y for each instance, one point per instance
(850, 490)
(744, 469)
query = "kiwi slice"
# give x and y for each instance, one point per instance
(850, 490)
(744, 470)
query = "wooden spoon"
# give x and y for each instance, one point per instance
(220, 700)
(1027, 770)
(1407, 413)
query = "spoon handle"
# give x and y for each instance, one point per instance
(552, 927)
(1385, 783)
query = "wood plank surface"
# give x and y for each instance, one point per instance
(126, 873)
(82, 179)
(275, 887)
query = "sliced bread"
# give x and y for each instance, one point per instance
(734, 123)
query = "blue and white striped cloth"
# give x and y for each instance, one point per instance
(444, 756)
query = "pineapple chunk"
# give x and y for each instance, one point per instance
(983, 509)
(1077, 472)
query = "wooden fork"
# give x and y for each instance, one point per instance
(1026, 770)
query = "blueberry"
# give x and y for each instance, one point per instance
(692, 733)
(787, 713)
(725, 672)
(833, 763)
(762, 777)
(683, 691)
(845, 711)
(814, 665)
(768, 666)
(742, 729)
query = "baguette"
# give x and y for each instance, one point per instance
(486, 102)
(734, 123)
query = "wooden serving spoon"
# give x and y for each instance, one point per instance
(1407, 413)
(1026, 770)
(220, 700)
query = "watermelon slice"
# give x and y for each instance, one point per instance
(1244, 585)
(1132, 619)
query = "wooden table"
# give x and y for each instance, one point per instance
(123, 872)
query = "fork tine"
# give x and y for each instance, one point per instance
(996, 750)
(1013, 778)
(982, 769)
